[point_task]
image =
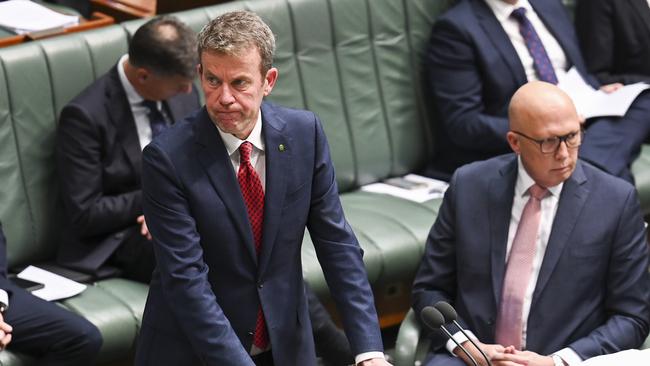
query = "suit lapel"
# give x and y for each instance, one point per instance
(277, 164)
(641, 8)
(119, 110)
(572, 199)
(213, 156)
(493, 29)
(561, 30)
(501, 194)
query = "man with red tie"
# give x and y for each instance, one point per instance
(228, 194)
(543, 255)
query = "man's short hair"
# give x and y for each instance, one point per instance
(235, 32)
(165, 46)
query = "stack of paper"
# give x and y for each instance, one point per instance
(24, 16)
(590, 102)
(56, 287)
(411, 187)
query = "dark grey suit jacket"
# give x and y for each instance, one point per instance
(99, 161)
(615, 39)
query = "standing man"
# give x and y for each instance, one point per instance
(227, 195)
(50, 334)
(539, 252)
(100, 138)
(482, 51)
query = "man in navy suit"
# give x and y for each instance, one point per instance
(43, 330)
(551, 284)
(100, 139)
(478, 58)
(227, 196)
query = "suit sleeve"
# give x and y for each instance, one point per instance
(595, 26)
(458, 91)
(79, 163)
(340, 255)
(183, 272)
(627, 299)
(435, 279)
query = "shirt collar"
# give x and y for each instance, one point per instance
(232, 142)
(132, 95)
(502, 10)
(524, 181)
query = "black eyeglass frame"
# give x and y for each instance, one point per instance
(560, 139)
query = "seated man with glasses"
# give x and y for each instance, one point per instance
(543, 255)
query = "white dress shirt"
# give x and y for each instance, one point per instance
(140, 112)
(258, 160)
(549, 206)
(502, 11)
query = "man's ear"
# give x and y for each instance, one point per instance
(199, 70)
(269, 80)
(513, 141)
(142, 74)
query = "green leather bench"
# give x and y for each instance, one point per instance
(357, 63)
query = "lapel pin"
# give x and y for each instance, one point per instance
(281, 147)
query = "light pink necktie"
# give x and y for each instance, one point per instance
(518, 271)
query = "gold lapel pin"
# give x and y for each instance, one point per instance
(281, 147)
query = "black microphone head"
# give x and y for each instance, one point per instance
(447, 311)
(432, 318)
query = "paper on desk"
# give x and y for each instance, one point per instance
(23, 16)
(411, 187)
(596, 103)
(56, 287)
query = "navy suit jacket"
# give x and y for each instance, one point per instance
(592, 293)
(615, 39)
(99, 162)
(209, 283)
(474, 70)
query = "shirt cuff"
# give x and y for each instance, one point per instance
(569, 356)
(367, 356)
(460, 338)
(4, 298)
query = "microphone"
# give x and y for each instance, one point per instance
(450, 316)
(432, 318)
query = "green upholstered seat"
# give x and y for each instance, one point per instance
(359, 64)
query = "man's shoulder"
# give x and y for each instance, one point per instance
(605, 182)
(487, 169)
(459, 14)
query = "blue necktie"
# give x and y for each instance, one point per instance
(541, 61)
(156, 119)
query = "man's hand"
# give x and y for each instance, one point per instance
(5, 333)
(374, 362)
(492, 351)
(143, 229)
(610, 88)
(523, 358)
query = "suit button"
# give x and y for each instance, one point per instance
(250, 334)
(490, 321)
(260, 285)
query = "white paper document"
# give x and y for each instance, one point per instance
(24, 16)
(56, 287)
(596, 103)
(411, 187)
(631, 357)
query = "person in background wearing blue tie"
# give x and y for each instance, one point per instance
(99, 144)
(482, 51)
(543, 255)
(50, 334)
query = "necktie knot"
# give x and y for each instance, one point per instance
(537, 192)
(519, 14)
(150, 104)
(245, 150)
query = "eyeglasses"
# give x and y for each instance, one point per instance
(551, 144)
